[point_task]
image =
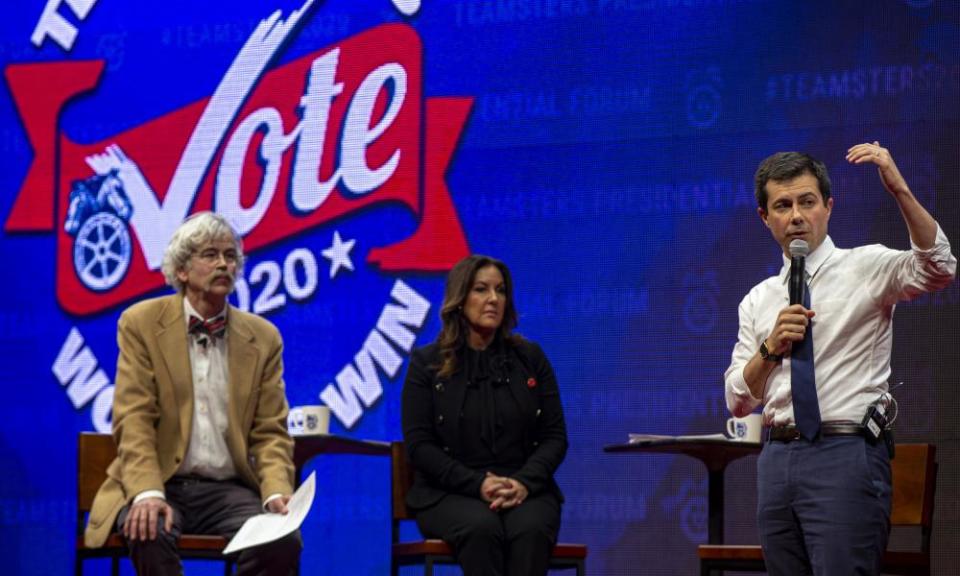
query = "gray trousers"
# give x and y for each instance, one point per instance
(220, 508)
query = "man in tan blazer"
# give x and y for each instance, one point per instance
(199, 414)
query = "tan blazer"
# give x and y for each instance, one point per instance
(153, 407)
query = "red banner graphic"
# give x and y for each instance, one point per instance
(321, 137)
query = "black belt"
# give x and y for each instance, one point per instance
(189, 479)
(790, 433)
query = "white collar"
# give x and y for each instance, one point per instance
(189, 310)
(813, 261)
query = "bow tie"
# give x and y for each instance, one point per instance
(212, 327)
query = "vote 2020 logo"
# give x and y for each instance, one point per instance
(277, 150)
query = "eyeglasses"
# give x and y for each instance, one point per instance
(213, 256)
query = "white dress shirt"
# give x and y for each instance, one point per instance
(207, 454)
(854, 294)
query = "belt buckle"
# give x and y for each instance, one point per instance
(792, 433)
(783, 434)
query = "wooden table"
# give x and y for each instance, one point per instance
(715, 453)
(306, 447)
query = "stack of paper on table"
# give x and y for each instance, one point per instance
(637, 438)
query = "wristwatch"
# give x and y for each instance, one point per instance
(766, 355)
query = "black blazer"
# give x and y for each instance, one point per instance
(431, 409)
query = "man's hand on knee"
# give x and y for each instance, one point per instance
(141, 520)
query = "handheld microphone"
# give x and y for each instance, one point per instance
(798, 255)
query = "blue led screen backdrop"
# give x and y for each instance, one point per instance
(604, 149)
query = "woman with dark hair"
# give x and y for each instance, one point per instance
(484, 429)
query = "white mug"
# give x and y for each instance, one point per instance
(746, 429)
(308, 420)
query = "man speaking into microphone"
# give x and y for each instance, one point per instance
(814, 349)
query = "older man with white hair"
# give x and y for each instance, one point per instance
(199, 414)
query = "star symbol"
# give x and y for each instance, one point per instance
(339, 254)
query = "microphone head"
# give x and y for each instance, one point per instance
(799, 248)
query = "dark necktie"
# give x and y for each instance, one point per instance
(212, 327)
(803, 382)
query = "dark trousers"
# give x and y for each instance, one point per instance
(823, 508)
(515, 542)
(217, 508)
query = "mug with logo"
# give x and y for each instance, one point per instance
(308, 420)
(746, 429)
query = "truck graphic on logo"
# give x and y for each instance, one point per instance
(97, 217)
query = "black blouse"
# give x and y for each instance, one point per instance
(491, 430)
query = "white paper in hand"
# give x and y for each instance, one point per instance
(268, 527)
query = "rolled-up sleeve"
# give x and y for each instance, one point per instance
(921, 271)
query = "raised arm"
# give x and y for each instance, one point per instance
(921, 225)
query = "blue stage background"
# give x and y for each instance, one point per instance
(607, 158)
